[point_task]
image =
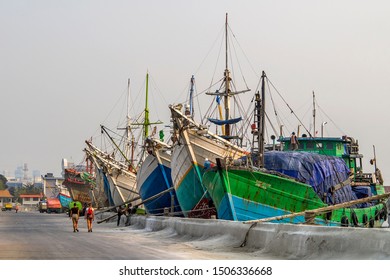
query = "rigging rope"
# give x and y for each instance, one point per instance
(330, 119)
(291, 110)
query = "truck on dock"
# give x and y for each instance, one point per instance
(7, 206)
(53, 205)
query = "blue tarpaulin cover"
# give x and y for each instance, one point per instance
(362, 192)
(319, 171)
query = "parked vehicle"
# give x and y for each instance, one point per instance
(7, 206)
(54, 205)
(42, 206)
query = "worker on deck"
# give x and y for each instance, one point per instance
(294, 142)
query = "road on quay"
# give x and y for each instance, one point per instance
(42, 236)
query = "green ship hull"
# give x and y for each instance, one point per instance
(242, 194)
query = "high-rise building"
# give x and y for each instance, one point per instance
(19, 173)
(36, 176)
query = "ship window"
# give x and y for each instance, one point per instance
(329, 146)
(309, 145)
(319, 145)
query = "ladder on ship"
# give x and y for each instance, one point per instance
(255, 126)
(258, 126)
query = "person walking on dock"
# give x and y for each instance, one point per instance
(120, 212)
(90, 216)
(74, 214)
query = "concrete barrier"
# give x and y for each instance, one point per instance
(280, 241)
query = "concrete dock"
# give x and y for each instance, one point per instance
(282, 241)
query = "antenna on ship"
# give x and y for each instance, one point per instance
(314, 114)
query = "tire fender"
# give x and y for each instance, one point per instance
(344, 221)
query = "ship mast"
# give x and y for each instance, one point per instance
(192, 97)
(128, 149)
(225, 121)
(128, 129)
(261, 122)
(227, 81)
(146, 121)
(259, 125)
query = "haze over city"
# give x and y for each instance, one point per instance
(65, 65)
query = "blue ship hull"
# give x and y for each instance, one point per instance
(106, 187)
(157, 180)
(64, 200)
(188, 191)
(239, 209)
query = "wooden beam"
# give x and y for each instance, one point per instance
(320, 210)
(138, 204)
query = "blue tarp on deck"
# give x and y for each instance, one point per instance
(319, 171)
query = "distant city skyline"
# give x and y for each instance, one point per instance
(22, 171)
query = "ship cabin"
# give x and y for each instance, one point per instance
(344, 147)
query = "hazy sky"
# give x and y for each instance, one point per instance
(65, 64)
